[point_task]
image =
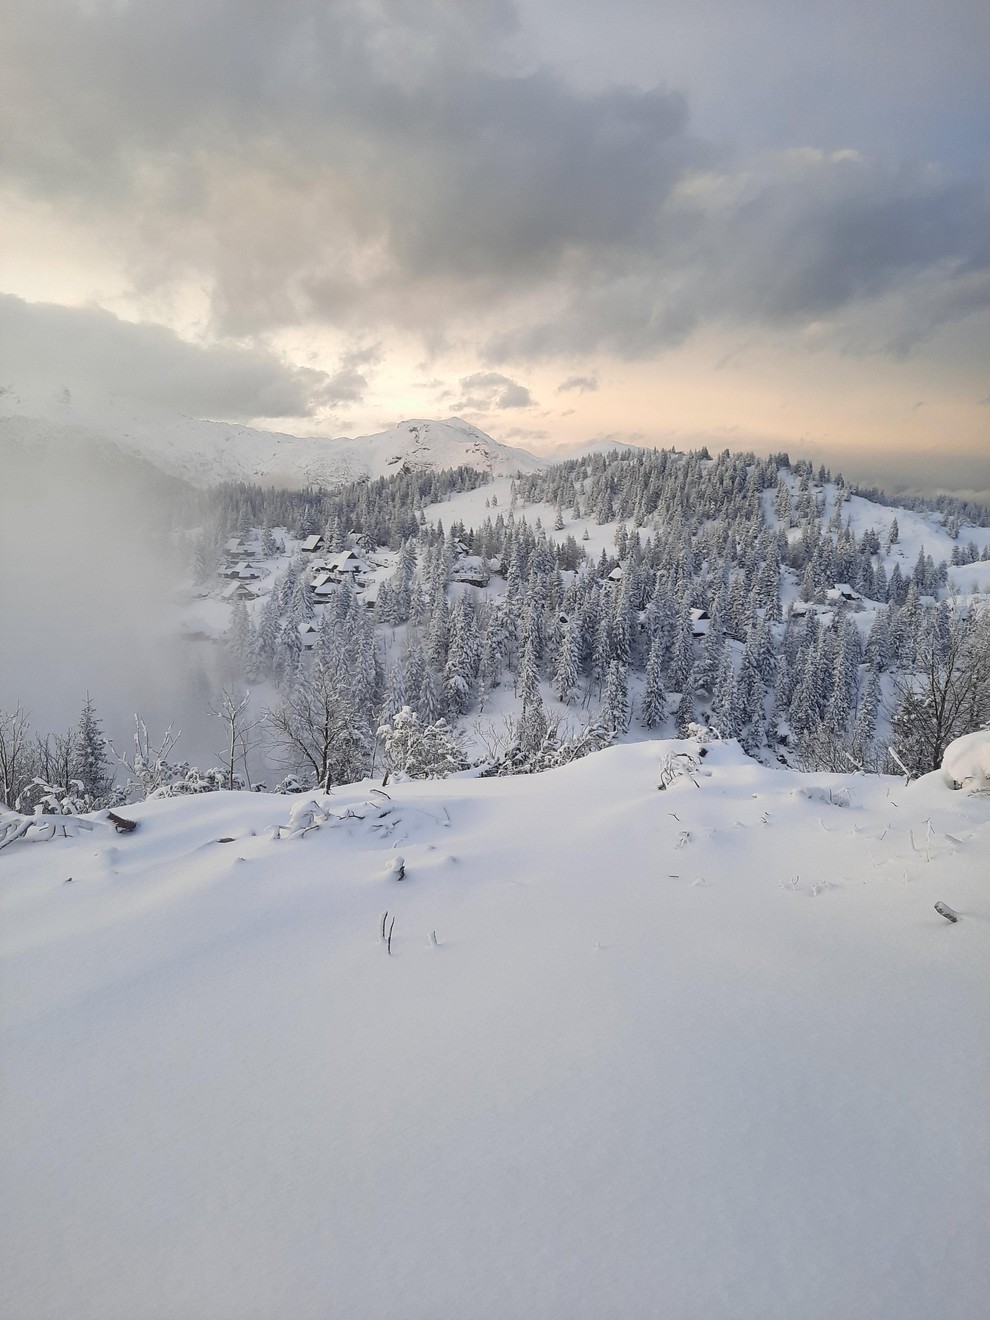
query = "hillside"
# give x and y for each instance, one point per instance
(702, 1052)
(205, 453)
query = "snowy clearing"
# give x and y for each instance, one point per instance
(706, 1052)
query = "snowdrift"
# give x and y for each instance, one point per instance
(700, 1052)
(966, 763)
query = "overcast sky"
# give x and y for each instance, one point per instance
(753, 223)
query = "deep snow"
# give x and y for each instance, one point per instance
(700, 1053)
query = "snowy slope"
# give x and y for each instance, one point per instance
(703, 1053)
(204, 453)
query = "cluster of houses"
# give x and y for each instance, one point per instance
(241, 575)
(328, 574)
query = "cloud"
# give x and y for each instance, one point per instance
(398, 165)
(523, 433)
(90, 349)
(487, 390)
(883, 256)
(585, 384)
(368, 356)
(348, 162)
(343, 387)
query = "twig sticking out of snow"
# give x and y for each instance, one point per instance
(904, 768)
(386, 932)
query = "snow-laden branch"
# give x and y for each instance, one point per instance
(14, 825)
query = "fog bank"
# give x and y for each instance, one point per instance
(88, 570)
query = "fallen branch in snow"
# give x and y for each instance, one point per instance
(680, 765)
(14, 826)
(121, 824)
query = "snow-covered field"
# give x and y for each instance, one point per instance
(696, 1054)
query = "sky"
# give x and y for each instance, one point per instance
(742, 223)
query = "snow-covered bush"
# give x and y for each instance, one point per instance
(966, 763)
(53, 800)
(680, 765)
(420, 751)
(532, 751)
(198, 781)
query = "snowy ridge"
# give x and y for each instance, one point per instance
(705, 1052)
(205, 453)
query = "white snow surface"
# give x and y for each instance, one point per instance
(205, 452)
(701, 1053)
(966, 763)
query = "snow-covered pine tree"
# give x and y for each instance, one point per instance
(616, 711)
(681, 651)
(239, 643)
(685, 715)
(565, 671)
(865, 731)
(92, 757)
(653, 709)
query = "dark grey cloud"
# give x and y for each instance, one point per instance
(87, 348)
(484, 391)
(401, 164)
(584, 384)
(888, 255)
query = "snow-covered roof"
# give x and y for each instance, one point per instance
(312, 543)
(345, 562)
(238, 591)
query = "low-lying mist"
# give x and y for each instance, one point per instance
(91, 552)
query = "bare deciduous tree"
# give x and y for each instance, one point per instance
(239, 731)
(16, 755)
(947, 695)
(317, 730)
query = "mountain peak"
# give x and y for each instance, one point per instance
(206, 452)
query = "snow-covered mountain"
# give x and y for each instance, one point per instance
(204, 453)
(706, 1052)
